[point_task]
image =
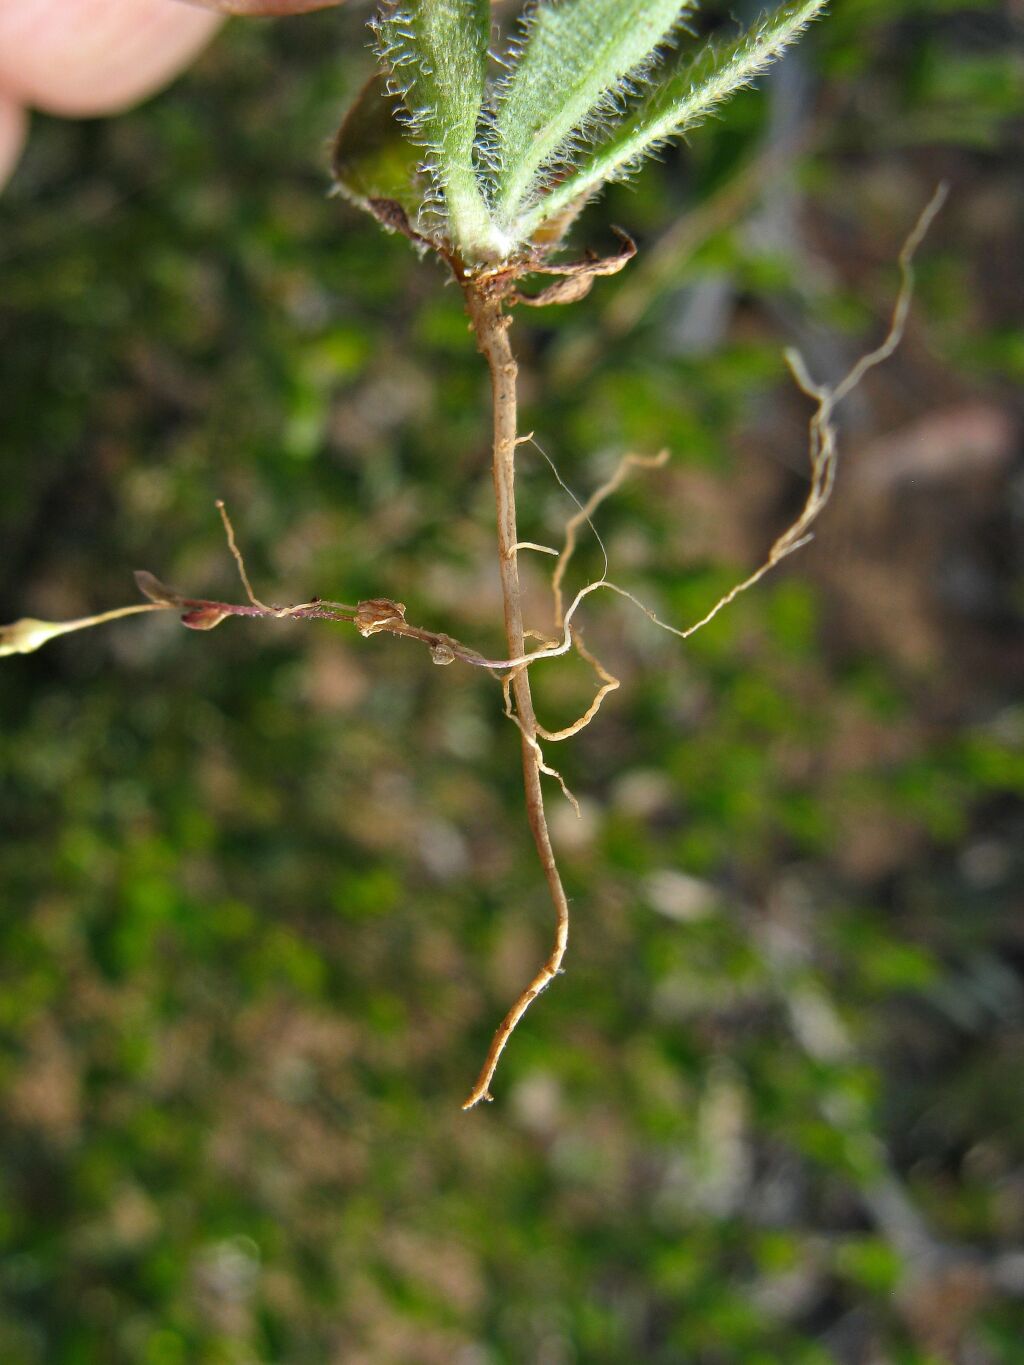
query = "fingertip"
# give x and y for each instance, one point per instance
(80, 58)
(13, 127)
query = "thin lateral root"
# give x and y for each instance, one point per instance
(278, 612)
(236, 553)
(823, 451)
(609, 683)
(531, 739)
(585, 512)
(532, 545)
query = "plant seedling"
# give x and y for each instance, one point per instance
(488, 174)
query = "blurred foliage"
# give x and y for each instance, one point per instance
(267, 892)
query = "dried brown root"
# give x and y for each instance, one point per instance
(236, 554)
(491, 327)
(823, 460)
(823, 457)
(492, 335)
(491, 330)
(382, 615)
(585, 512)
(609, 683)
(532, 741)
(378, 615)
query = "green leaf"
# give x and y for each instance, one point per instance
(574, 60)
(436, 51)
(684, 98)
(372, 159)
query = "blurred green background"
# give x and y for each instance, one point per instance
(265, 893)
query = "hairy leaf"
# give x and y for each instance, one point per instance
(679, 101)
(574, 59)
(437, 53)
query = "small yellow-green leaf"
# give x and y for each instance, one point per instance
(26, 636)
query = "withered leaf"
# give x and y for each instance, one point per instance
(377, 614)
(577, 277)
(567, 290)
(150, 586)
(592, 264)
(204, 618)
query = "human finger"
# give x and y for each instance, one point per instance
(13, 126)
(264, 8)
(84, 57)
